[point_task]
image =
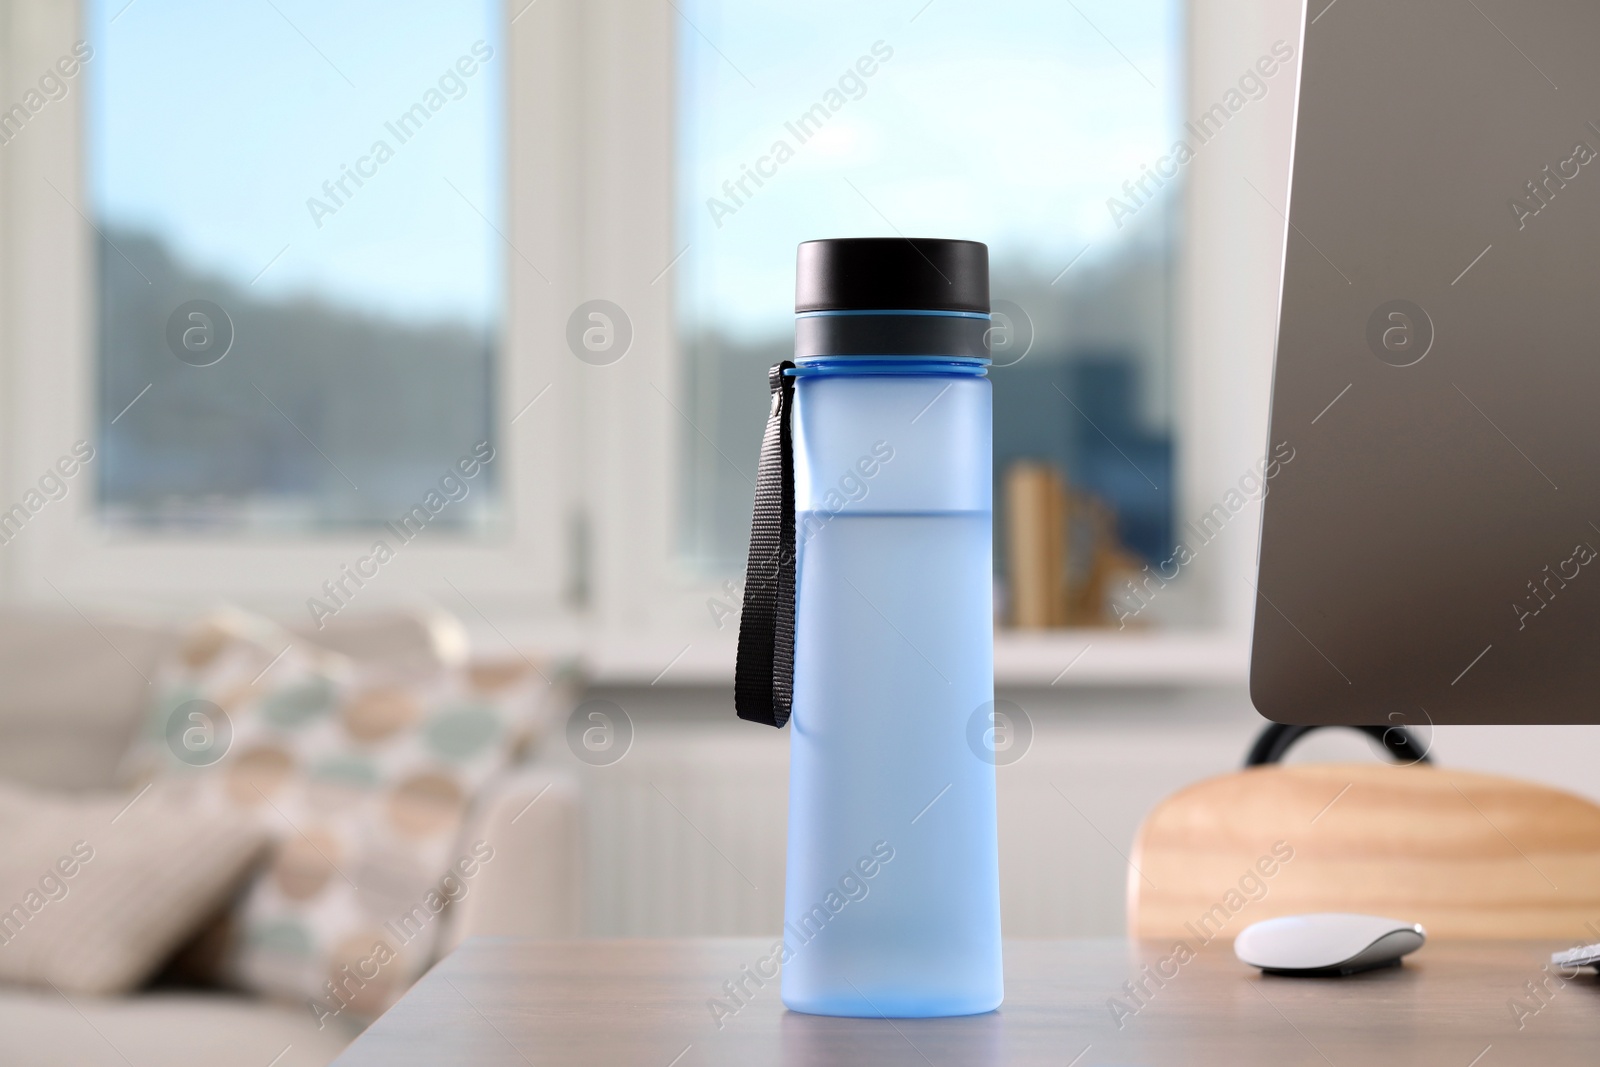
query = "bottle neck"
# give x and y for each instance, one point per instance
(951, 337)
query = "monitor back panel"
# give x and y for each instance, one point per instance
(1432, 551)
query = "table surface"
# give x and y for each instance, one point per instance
(521, 1002)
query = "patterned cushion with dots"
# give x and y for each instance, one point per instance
(362, 773)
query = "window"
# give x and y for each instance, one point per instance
(1030, 126)
(591, 158)
(297, 211)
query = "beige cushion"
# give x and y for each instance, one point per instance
(95, 892)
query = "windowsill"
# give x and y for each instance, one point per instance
(1083, 658)
(1060, 659)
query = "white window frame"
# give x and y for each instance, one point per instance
(1225, 325)
(591, 472)
(48, 395)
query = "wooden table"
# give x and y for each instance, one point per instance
(517, 1002)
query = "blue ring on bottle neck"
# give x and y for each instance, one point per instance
(859, 366)
(891, 334)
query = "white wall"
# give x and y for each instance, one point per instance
(685, 835)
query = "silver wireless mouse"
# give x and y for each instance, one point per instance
(1327, 943)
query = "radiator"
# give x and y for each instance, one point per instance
(684, 836)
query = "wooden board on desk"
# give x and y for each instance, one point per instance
(1467, 855)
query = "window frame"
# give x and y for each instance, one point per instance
(49, 324)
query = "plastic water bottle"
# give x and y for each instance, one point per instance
(892, 902)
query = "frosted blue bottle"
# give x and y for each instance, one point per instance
(892, 901)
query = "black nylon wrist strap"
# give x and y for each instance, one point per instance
(763, 676)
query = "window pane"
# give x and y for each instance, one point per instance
(300, 278)
(1012, 123)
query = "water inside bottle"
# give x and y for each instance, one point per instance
(893, 658)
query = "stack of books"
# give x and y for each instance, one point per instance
(1064, 558)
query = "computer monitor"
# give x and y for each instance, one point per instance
(1431, 553)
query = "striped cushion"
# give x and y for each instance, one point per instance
(97, 891)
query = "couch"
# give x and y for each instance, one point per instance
(73, 692)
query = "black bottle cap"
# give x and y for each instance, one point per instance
(892, 274)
